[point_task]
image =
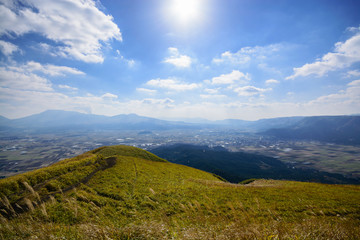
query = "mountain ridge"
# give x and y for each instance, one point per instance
(60, 120)
(336, 129)
(55, 120)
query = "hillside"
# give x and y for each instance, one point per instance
(334, 129)
(123, 192)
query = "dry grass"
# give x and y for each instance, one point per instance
(160, 200)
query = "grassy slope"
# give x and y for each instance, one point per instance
(140, 196)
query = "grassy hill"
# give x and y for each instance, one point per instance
(123, 192)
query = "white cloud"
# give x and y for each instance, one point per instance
(18, 103)
(78, 27)
(13, 79)
(346, 101)
(130, 62)
(26, 76)
(211, 90)
(246, 54)
(47, 69)
(271, 81)
(353, 29)
(178, 60)
(8, 48)
(165, 101)
(233, 58)
(109, 96)
(67, 87)
(213, 96)
(353, 73)
(234, 77)
(172, 84)
(345, 54)
(351, 93)
(355, 83)
(250, 91)
(146, 90)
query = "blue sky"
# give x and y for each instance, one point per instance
(178, 59)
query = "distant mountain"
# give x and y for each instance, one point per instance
(4, 122)
(238, 166)
(334, 129)
(57, 120)
(340, 129)
(268, 123)
(253, 126)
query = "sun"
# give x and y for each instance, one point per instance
(185, 12)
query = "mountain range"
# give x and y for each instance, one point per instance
(57, 120)
(336, 129)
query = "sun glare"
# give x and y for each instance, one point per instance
(185, 12)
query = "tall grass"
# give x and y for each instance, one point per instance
(142, 197)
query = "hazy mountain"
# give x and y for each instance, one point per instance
(4, 120)
(336, 129)
(57, 120)
(238, 166)
(342, 129)
(4, 123)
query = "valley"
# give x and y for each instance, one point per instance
(21, 152)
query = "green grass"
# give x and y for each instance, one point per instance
(145, 197)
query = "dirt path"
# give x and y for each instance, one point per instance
(20, 206)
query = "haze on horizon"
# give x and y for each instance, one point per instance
(177, 59)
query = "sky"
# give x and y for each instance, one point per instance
(180, 59)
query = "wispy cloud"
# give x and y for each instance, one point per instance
(13, 79)
(350, 94)
(250, 91)
(234, 77)
(178, 60)
(67, 87)
(8, 48)
(246, 54)
(130, 62)
(345, 54)
(109, 96)
(78, 28)
(33, 76)
(214, 97)
(353, 73)
(272, 81)
(146, 90)
(172, 84)
(47, 69)
(211, 90)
